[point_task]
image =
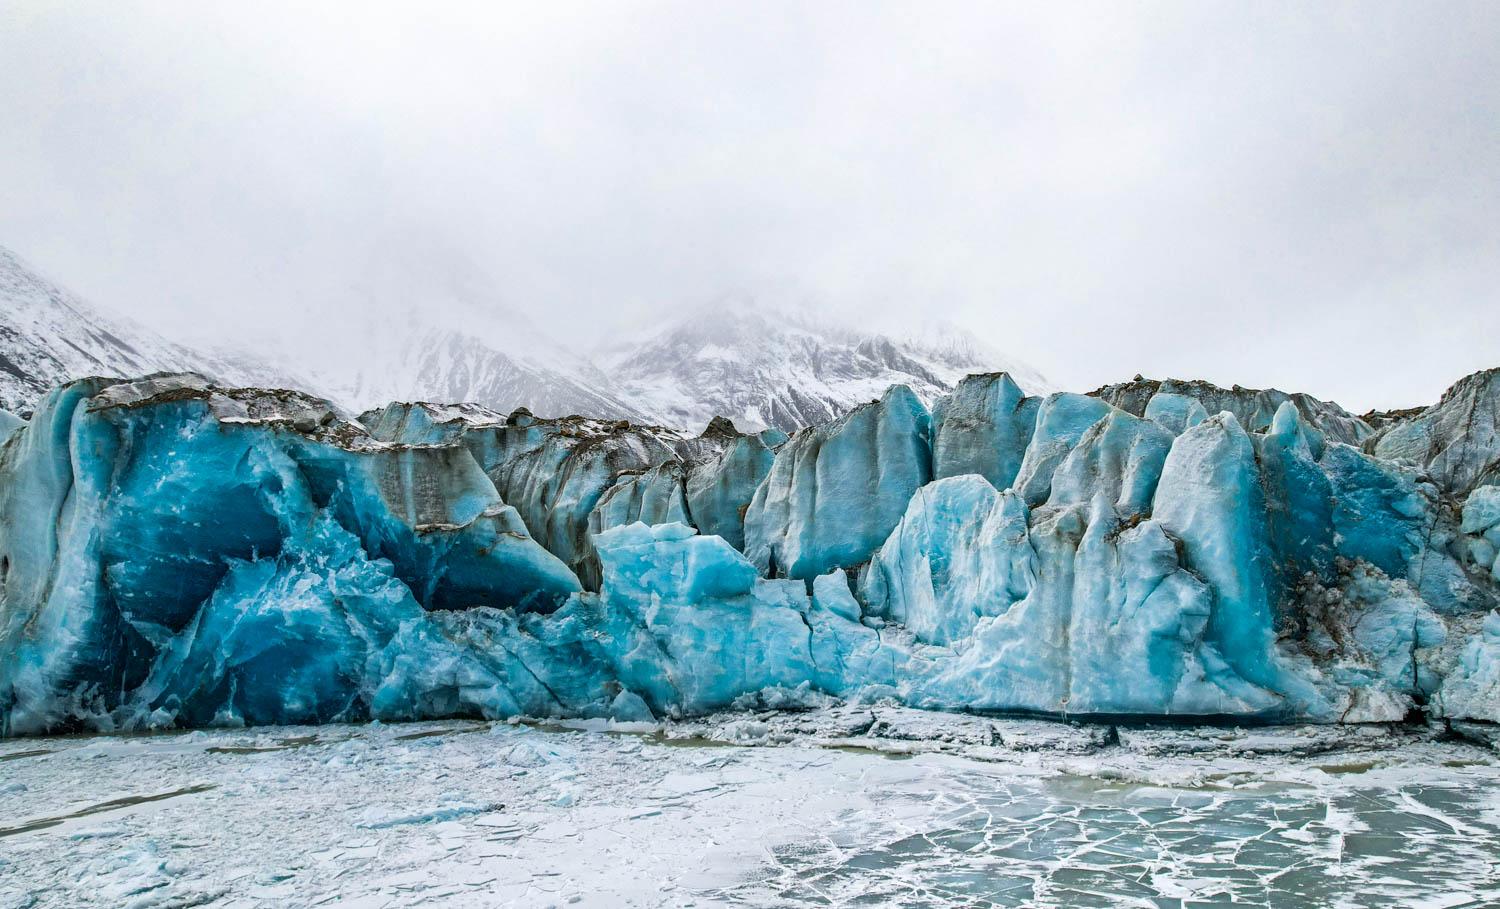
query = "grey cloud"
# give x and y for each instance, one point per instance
(1272, 194)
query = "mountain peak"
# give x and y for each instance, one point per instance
(776, 366)
(757, 364)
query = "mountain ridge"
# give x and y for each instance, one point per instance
(762, 366)
(50, 335)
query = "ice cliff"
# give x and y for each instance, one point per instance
(173, 553)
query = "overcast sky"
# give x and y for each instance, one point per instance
(1291, 194)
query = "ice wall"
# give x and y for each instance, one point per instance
(835, 491)
(9, 423)
(128, 510)
(983, 427)
(177, 554)
(572, 477)
(1254, 408)
(1457, 440)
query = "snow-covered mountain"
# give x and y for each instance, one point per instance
(448, 365)
(426, 323)
(49, 335)
(433, 326)
(764, 367)
(444, 334)
(759, 367)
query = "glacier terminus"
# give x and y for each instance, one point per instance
(178, 554)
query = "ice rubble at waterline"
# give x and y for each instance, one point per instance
(178, 554)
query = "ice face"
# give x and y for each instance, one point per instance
(961, 553)
(131, 512)
(555, 474)
(1175, 413)
(687, 624)
(719, 489)
(9, 423)
(1471, 689)
(1040, 655)
(1482, 510)
(1075, 613)
(1299, 495)
(982, 427)
(1211, 499)
(1061, 421)
(172, 553)
(1457, 439)
(1481, 526)
(1120, 457)
(656, 496)
(305, 636)
(835, 491)
(574, 477)
(1254, 408)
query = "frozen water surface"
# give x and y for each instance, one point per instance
(844, 806)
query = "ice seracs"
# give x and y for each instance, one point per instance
(141, 524)
(1457, 440)
(1481, 527)
(835, 491)
(983, 427)
(720, 488)
(1254, 408)
(9, 423)
(961, 553)
(572, 477)
(175, 553)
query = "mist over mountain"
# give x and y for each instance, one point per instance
(49, 335)
(450, 336)
(767, 367)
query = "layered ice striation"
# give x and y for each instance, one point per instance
(173, 553)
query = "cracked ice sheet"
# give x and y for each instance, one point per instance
(854, 805)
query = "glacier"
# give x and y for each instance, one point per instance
(175, 553)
